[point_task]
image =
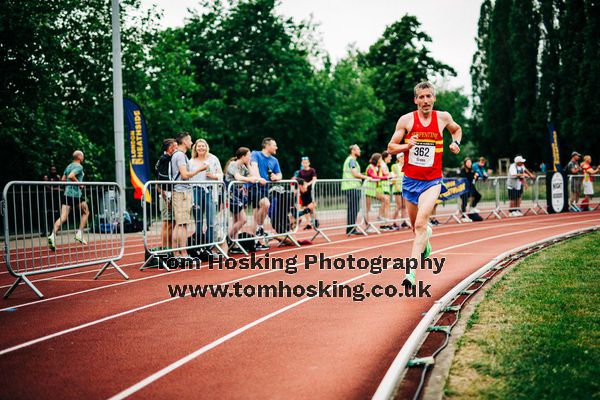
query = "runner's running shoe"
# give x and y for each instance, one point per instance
(410, 279)
(427, 250)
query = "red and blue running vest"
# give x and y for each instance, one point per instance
(424, 161)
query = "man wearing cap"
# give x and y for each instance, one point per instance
(573, 168)
(516, 178)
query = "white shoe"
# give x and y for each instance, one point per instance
(512, 214)
(79, 238)
(475, 210)
(466, 219)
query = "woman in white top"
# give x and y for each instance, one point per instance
(206, 195)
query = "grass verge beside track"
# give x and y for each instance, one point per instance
(535, 335)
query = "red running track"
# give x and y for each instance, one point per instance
(98, 339)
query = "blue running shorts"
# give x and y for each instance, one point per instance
(412, 188)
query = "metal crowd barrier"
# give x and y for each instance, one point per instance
(490, 198)
(381, 208)
(539, 203)
(31, 209)
(577, 188)
(261, 213)
(182, 217)
(397, 213)
(509, 201)
(338, 205)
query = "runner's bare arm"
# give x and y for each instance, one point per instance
(455, 130)
(395, 145)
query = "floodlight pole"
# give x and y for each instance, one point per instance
(118, 102)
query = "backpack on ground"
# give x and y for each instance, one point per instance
(203, 253)
(475, 217)
(248, 244)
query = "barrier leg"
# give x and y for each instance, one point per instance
(320, 232)
(161, 264)
(292, 238)
(223, 252)
(115, 266)
(237, 243)
(27, 282)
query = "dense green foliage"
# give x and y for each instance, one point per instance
(235, 73)
(534, 335)
(536, 63)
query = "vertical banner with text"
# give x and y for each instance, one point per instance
(557, 192)
(139, 162)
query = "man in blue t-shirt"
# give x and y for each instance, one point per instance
(264, 164)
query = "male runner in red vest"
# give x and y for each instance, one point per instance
(419, 135)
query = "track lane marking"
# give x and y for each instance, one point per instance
(131, 311)
(182, 361)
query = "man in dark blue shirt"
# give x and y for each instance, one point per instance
(263, 163)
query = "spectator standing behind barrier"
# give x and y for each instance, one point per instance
(264, 164)
(307, 205)
(164, 173)
(205, 197)
(351, 170)
(238, 169)
(385, 188)
(309, 176)
(588, 182)
(573, 168)
(471, 192)
(374, 189)
(480, 171)
(72, 200)
(398, 175)
(517, 173)
(182, 193)
(51, 202)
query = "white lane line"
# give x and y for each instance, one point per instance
(133, 243)
(182, 361)
(293, 249)
(131, 311)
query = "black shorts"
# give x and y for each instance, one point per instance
(73, 202)
(514, 194)
(238, 202)
(306, 199)
(256, 193)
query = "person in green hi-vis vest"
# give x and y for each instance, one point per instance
(351, 187)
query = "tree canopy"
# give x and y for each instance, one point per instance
(237, 71)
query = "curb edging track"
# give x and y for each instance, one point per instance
(391, 381)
